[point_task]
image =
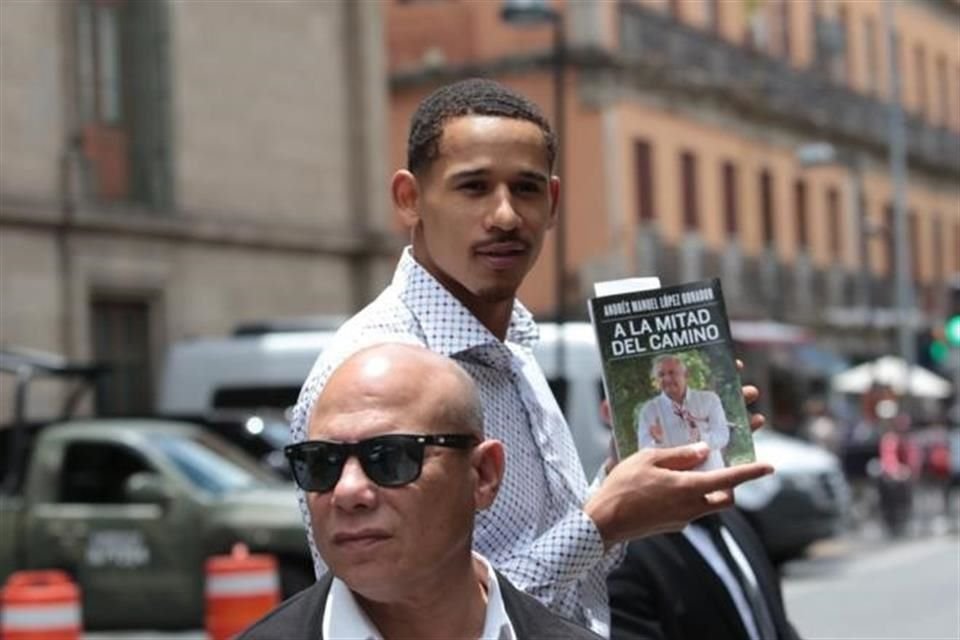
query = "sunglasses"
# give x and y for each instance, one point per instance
(391, 460)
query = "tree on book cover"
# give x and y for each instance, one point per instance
(670, 373)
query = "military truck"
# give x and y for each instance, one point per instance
(132, 508)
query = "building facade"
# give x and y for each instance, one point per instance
(172, 169)
(683, 122)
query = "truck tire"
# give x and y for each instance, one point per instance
(296, 574)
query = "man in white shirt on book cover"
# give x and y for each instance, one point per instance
(680, 415)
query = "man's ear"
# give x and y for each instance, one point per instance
(405, 192)
(489, 460)
(554, 187)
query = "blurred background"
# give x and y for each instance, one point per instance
(203, 174)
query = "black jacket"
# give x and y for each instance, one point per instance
(301, 617)
(665, 590)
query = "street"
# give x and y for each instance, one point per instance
(863, 586)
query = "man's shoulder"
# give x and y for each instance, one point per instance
(300, 616)
(531, 619)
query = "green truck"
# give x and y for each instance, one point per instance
(132, 508)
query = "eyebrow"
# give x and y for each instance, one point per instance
(481, 173)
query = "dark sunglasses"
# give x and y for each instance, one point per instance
(391, 460)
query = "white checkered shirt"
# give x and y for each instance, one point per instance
(536, 533)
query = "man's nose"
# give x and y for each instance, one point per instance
(503, 216)
(354, 489)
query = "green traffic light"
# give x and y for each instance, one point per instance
(939, 351)
(951, 330)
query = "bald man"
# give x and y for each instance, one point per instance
(395, 467)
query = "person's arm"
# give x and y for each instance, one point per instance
(718, 431)
(559, 558)
(645, 422)
(656, 491)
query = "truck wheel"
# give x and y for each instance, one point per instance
(296, 574)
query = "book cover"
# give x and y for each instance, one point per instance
(669, 370)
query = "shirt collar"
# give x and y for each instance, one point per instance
(343, 617)
(448, 326)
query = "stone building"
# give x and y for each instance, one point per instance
(171, 169)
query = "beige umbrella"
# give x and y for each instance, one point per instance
(893, 372)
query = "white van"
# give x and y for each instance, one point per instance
(260, 371)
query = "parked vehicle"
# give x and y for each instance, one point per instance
(132, 508)
(806, 500)
(217, 374)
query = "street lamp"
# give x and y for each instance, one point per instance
(536, 13)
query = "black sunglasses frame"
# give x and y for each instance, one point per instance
(299, 456)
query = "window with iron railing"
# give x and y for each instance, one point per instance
(123, 100)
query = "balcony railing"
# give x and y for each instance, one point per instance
(673, 55)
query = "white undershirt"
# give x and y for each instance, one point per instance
(344, 619)
(703, 543)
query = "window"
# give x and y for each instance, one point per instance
(766, 207)
(800, 213)
(644, 167)
(870, 55)
(920, 73)
(676, 9)
(123, 89)
(714, 16)
(938, 267)
(785, 40)
(943, 89)
(729, 180)
(688, 195)
(121, 340)
(843, 59)
(890, 230)
(913, 233)
(834, 223)
(96, 472)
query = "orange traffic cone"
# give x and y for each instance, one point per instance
(40, 605)
(241, 588)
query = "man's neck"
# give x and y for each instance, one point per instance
(455, 609)
(680, 398)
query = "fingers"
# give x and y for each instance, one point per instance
(750, 393)
(757, 420)
(726, 479)
(717, 500)
(681, 458)
(739, 364)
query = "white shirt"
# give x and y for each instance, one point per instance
(703, 543)
(536, 532)
(343, 619)
(703, 408)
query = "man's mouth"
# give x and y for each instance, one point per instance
(360, 539)
(503, 255)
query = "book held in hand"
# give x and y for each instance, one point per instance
(669, 370)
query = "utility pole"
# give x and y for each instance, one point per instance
(898, 174)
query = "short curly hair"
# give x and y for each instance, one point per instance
(475, 96)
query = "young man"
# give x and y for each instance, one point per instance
(478, 197)
(394, 472)
(680, 415)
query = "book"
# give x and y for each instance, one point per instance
(669, 369)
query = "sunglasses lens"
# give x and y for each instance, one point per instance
(316, 468)
(392, 462)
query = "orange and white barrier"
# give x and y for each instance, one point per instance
(241, 588)
(40, 605)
